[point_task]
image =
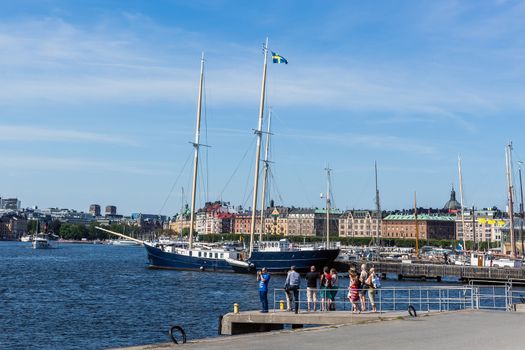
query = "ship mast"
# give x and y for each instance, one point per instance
(258, 132)
(265, 176)
(378, 209)
(417, 226)
(521, 211)
(196, 146)
(510, 185)
(328, 204)
(461, 199)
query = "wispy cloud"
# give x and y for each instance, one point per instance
(70, 164)
(46, 134)
(383, 142)
(55, 61)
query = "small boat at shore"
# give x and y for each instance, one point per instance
(26, 238)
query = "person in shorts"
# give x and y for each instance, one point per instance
(372, 289)
(326, 287)
(311, 288)
(363, 277)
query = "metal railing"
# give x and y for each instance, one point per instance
(424, 299)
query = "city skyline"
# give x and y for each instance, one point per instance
(99, 99)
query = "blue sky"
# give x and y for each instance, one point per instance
(98, 100)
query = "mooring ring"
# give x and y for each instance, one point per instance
(173, 331)
(412, 311)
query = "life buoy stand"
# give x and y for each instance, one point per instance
(412, 311)
(173, 332)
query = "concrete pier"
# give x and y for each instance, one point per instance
(254, 321)
(459, 330)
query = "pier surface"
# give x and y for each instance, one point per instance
(458, 330)
(254, 321)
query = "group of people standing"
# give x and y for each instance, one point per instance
(327, 283)
(366, 282)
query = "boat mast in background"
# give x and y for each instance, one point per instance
(378, 211)
(265, 175)
(521, 211)
(328, 203)
(258, 132)
(196, 146)
(417, 226)
(510, 187)
(461, 199)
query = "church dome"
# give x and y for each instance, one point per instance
(452, 205)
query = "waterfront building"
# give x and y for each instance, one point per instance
(359, 223)
(178, 224)
(243, 220)
(10, 203)
(276, 221)
(94, 209)
(301, 222)
(214, 218)
(12, 227)
(147, 222)
(111, 210)
(429, 226)
(312, 222)
(61, 214)
(487, 223)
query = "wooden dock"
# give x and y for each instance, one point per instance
(438, 271)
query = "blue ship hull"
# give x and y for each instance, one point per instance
(280, 262)
(159, 259)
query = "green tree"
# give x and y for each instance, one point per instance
(54, 226)
(31, 226)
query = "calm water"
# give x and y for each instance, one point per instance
(99, 296)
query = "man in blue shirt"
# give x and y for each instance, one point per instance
(263, 277)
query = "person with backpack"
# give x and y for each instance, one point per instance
(373, 284)
(326, 286)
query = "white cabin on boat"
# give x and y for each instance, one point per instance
(283, 245)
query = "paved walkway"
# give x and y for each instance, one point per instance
(457, 330)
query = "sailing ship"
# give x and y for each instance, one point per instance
(277, 257)
(187, 255)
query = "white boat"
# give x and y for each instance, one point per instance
(43, 241)
(26, 238)
(125, 242)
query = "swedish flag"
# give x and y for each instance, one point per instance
(278, 58)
